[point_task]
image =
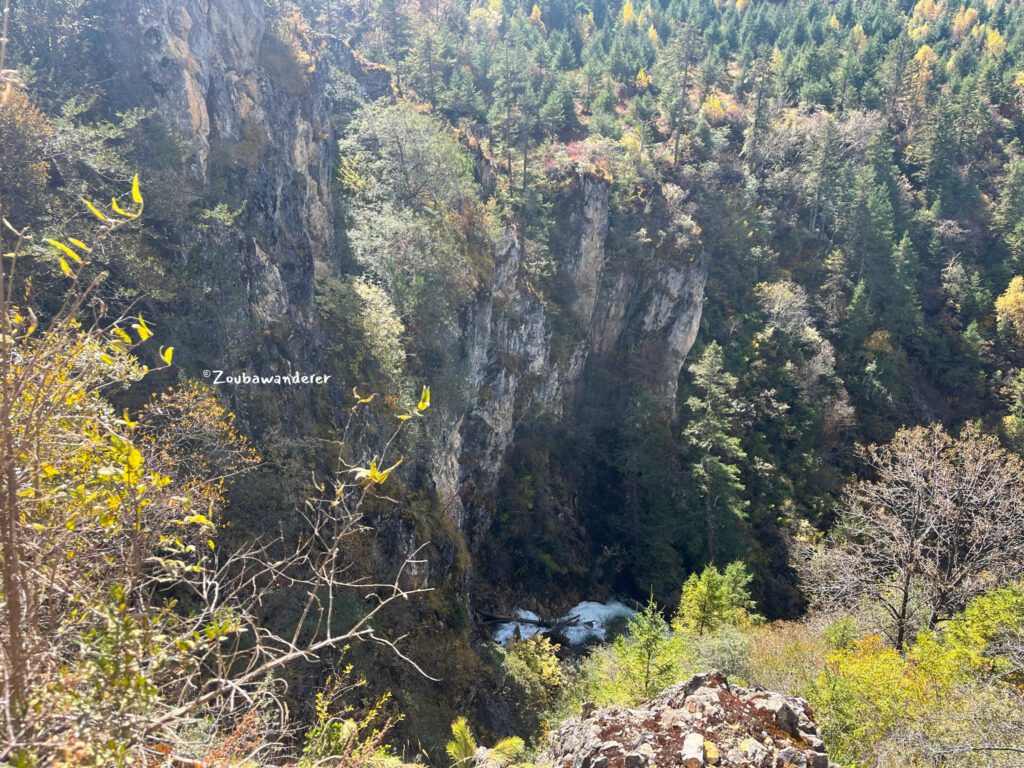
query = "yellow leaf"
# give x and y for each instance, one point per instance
(128, 422)
(121, 211)
(65, 268)
(404, 417)
(142, 329)
(373, 474)
(199, 520)
(136, 191)
(94, 210)
(107, 359)
(135, 459)
(80, 244)
(360, 399)
(628, 14)
(64, 249)
(167, 354)
(424, 399)
(210, 544)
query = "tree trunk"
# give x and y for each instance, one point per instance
(902, 620)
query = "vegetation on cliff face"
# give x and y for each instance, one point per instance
(823, 499)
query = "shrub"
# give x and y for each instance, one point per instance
(727, 649)
(787, 656)
(24, 174)
(714, 598)
(533, 665)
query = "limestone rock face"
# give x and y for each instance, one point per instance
(517, 357)
(250, 113)
(702, 722)
(252, 128)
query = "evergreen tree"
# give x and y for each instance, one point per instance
(1009, 213)
(835, 291)
(462, 98)
(761, 96)
(559, 109)
(646, 654)
(716, 451)
(427, 63)
(714, 598)
(510, 84)
(904, 308)
(392, 23)
(674, 68)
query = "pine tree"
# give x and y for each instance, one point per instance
(872, 230)
(761, 97)
(835, 291)
(647, 655)
(506, 113)
(714, 598)
(673, 72)
(463, 99)
(704, 602)
(859, 319)
(426, 63)
(824, 175)
(894, 80)
(390, 19)
(717, 453)
(903, 309)
(559, 110)
(1009, 213)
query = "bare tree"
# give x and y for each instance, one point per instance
(941, 522)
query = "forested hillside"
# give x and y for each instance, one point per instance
(713, 308)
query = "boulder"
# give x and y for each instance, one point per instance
(699, 723)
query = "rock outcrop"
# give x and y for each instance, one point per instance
(248, 123)
(635, 313)
(702, 722)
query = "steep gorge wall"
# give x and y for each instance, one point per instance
(624, 310)
(256, 130)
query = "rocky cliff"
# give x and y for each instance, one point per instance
(702, 722)
(243, 95)
(254, 135)
(625, 311)
(244, 116)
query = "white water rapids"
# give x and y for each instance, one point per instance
(585, 622)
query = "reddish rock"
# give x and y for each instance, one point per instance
(702, 722)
